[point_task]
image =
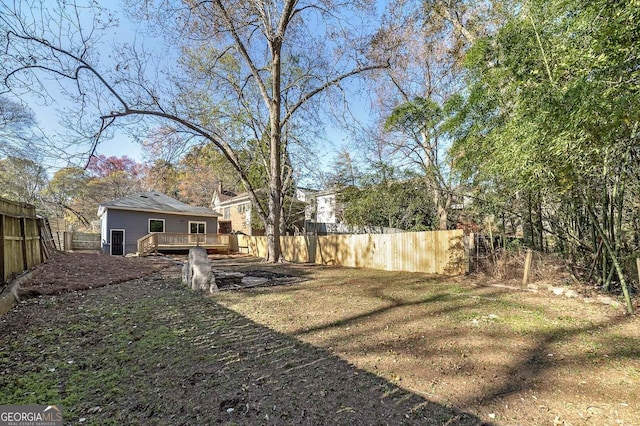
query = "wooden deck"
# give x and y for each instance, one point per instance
(168, 241)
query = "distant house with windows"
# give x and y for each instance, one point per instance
(327, 208)
(236, 212)
(126, 220)
(324, 212)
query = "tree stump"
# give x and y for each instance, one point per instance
(196, 273)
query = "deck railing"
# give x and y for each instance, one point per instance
(173, 240)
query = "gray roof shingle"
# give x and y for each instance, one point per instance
(155, 202)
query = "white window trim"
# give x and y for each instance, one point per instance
(244, 207)
(196, 221)
(149, 224)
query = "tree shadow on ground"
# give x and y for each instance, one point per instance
(153, 352)
(356, 334)
(532, 362)
(291, 382)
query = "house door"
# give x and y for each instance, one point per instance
(117, 242)
(196, 228)
(225, 227)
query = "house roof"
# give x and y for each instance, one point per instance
(244, 197)
(226, 195)
(230, 201)
(325, 192)
(307, 190)
(155, 202)
(221, 197)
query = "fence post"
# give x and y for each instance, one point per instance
(527, 267)
(469, 247)
(23, 235)
(2, 267)
(68, 240)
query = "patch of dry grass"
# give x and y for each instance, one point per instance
(510, 357)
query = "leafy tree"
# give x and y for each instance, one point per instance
(162, 176)
(113, 177)
(550, 117)
(247, 71)
(423, 125)
(22, 180)
(75, 193)
(67, 191)
(200, 171)
(403, 204)
(185, 169)
(16, 125)
(346, 171)
(416, 97)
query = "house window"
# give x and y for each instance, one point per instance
(227, 213)
(156, 225)
(243, 208)
(197, 227)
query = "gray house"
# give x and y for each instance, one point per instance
(126, 220)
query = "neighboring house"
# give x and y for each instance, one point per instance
(221, 195)
(236, 212)
(324, 212)
(327, 207)
(127, 219)
(308, 197)
(305, 195)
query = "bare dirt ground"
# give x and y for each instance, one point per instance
(337, 346)
(82, 271)
(150, 351)
(510, 356)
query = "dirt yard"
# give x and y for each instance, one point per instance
(336, 346)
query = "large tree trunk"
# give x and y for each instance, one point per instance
(442, 218)
(274, 253)
(272, 226)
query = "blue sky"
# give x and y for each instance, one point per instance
(48, 121)
(123, 144)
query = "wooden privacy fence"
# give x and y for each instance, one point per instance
(433, 252)
(84, 241)
(64, 239)
(58, 228)
(20, 248)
